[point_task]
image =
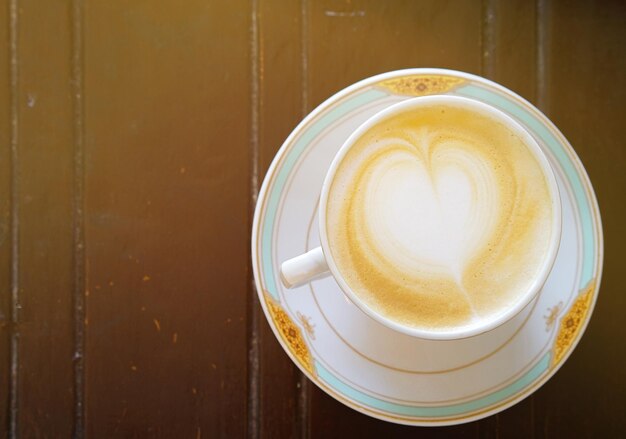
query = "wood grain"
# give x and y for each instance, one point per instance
(280, 108)
(6, 162)
(353, 40)
(167, 190)
(45, 187)
(586, 93)
(512, 56)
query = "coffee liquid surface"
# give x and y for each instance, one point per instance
(439, 218)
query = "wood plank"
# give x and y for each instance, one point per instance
(348, 42)
(512, 62)
(586, 93)
(353, 40)
(167, 190)
(5, 223)
(280, 108)
(45, 183)
(331, 419)
(515, 422)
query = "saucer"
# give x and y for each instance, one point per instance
(386, 374)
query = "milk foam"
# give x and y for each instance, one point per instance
(439, 217)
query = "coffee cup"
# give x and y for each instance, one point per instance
(439, 217)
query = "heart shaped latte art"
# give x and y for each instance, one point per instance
(439, 217)
(430, 212)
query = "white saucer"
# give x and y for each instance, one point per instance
(386, 374)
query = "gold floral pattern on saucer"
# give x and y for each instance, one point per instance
(571, 324)
(291, 334)
(421, 85)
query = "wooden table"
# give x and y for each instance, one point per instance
(133, 140)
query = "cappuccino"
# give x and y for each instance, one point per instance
(440, 217)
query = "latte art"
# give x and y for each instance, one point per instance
(439, 217)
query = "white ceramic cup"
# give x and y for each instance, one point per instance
(319, 262)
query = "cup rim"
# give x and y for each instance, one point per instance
(549, 260)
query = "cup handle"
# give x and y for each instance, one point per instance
(304, 268)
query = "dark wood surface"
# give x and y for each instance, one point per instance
(133, 139)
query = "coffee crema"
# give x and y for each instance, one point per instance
(439, 217)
